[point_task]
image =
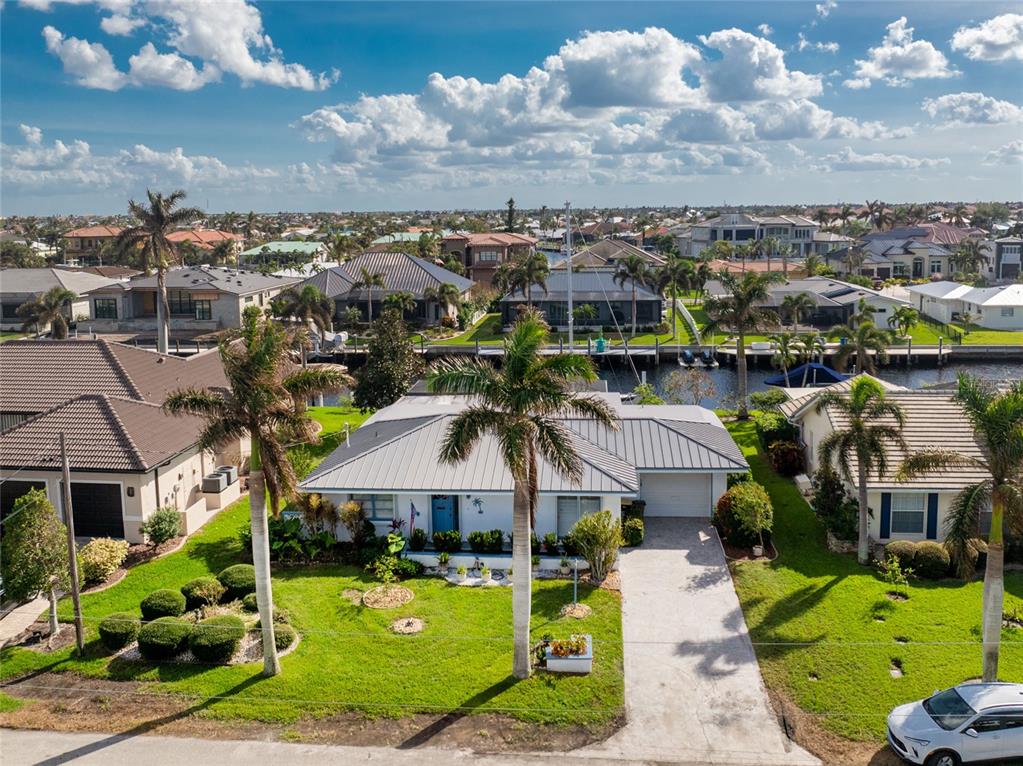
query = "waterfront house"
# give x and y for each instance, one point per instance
(794, 231)
(607, 254)
(482, 253)
(86, 245)
(18, 286)
(674, 458)
(884, 257)
(996, 308)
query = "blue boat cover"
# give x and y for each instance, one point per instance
(817, 375)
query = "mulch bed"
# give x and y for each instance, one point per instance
(578, 611)
(406, 626)
(37, 637)
(733, 553)
(387, 597)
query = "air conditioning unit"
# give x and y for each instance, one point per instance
(230, 471)
(214, 482)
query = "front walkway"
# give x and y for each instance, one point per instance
(693, 690)
(18, 619)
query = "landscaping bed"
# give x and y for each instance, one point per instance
(827, 635)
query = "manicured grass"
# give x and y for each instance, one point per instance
(982, 336)
(5, 335)
(813, 613)
(347, 657)
(486, 330)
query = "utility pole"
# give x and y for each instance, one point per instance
(568, 245)
(69, 522)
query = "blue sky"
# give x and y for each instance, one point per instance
(440, 105)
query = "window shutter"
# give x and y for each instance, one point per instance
(886, 515)
(932, 516)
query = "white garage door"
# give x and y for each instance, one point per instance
(676, 494)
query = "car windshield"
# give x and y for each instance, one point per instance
(948, 709)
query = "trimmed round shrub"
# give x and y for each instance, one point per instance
(202, 591)
(903, 550)
(163, 525)
(632, 531)
(932, 560)
(249, 603)
(99, 558)
(284, 636)
(162, 603)
(239, 580)
(215, 639)
(119, 629)
(164, 637)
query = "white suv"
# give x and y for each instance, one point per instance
(969, 723)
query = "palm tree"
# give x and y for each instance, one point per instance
(904, 319)
(823, 217)
(445, 295)
(262, 402)
(49, 308)
(969, 256)
(786, 353)
(810, 345)
(785, 251)
(402, 301)
(814, 265)
(676, 273)
(703, 274)
(862, 338)
(250, 226)
(864, 313)
(308, 305)
(967, 319)
(633, 269)
(369, 281)
(519, 406)
(865, 439)
(957, 215)
(149, 239)
(740, 311)
(876, 213)
(532, 269)
(997, 421)
(845, 214)
(768, 246)
(854, 260)
(796, 306)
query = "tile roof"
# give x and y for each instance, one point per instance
(204, 239)
(794, 408)
(34, 281)
(103, 434)
(401, 271)
(95, 231)
(38, 375)
(499, 238)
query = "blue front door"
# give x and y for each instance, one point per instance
(443, 514)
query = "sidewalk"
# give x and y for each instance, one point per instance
(19, 618)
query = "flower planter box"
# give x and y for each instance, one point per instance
(576, 663)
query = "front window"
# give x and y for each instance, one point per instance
(105, 308)
(378, 508)
(487, 255)
(203, 310)
(1007, 311)
(948, 709)
(180, 303)
(571, 509)
(908, 513)
(935, 267)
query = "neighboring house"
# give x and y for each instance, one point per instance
(835, 300)
(207, 239)
(284, 251)
(401, 272)
(612, 301)
(201, 298)
(885, 257)
(608, 253)
(794, 231)
(44, 249)
(1004, 258)
(84, 245)
(675, 458)
(110, 272)
(826, 241)
(18, 286)
(916, 509)
(481, 254)
(127, 457)
(996, 308)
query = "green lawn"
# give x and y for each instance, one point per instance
(348, 658)
(981, 336)
(6, 335)
(814, 616)
(486, 330)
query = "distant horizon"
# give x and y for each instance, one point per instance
(399, 106)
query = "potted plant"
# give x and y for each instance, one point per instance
(461, 574)
(485, 573)
(442, 562)
(571, 655)
(565, 567)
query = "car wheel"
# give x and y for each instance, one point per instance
(943, 758)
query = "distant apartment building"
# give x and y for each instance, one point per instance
(793, 231)
(86, 245)
(481, 254)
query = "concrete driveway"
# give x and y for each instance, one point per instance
(693, 690)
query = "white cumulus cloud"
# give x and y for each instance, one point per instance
(120, 25)
(89, 63)
(972, 109)
(752, 69)
(997, 39)
(765, 29)
(33, 136)
(1008, 154)
(899, 58)
(824, 9)
(804, 44)
(848, 159)
(169, 70)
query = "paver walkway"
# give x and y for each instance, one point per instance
(19, 618)
(693, 689)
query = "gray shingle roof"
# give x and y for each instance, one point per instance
(402, 272)
(586, 286)
(32, 281)
(235, 281)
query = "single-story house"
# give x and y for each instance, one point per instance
(835, 300)
(201, 298)
(996, 308)
(401, 272)
(612, 301)
(675, 458)
(284, 252)
(916, 509)
(18, 286)
(481, 253)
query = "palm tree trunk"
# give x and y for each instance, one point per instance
(740, 368)
(162, 312)
(522, 579)
(633, 309)
(261, 561)
(994, 587)
(862, 546)
(52, 595)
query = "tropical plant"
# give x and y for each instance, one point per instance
(520, 274)
(957, 215)
(904, 319)
(813, 264)
(584, 313)
(786, 353)
(392, 365)
(997, 421)
(969, 256)
(34, 552)
(967, 319)
(809, 345)
(402, 302)
(260, 401)
(520, 405)
(369, 281)
(99, 558)
(49, 308)
(445, 295)
(739, 310)
(634, 270)
(797, 306)
(645, 393)
(163, 525)
(148, 242)
(308, 305)
(676, 274)
(873, 424)
(865, 343)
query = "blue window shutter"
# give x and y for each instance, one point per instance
(886, 515)
(932, 516)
